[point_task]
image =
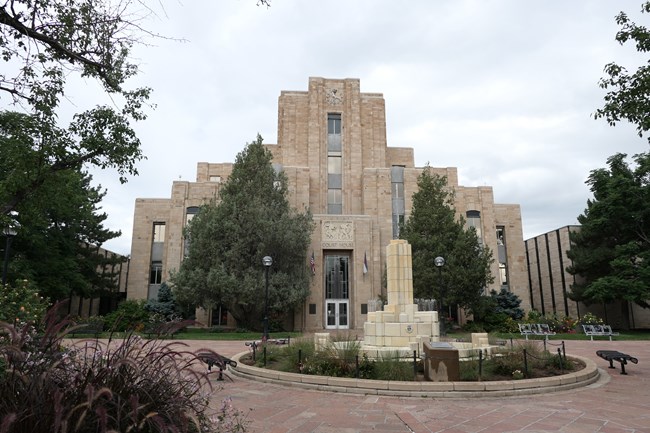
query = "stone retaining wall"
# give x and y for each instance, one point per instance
(577, 379)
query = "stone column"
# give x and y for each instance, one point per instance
(399, 272)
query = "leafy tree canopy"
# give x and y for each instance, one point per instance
(628, 92)
(433, 230)
(43, 44)
(60, 223)
(229, 238)
(611, 252)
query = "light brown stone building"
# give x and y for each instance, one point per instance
(332, 147)
(550, 284)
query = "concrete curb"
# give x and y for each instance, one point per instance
(588, 375)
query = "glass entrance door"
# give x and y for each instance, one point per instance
(337, 291)
(337, 314)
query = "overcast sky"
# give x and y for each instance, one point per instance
(504, 90)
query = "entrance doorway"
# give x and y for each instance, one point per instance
(337, 291)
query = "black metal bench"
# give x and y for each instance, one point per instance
(162, 330)
(214, 359)
(94, 329)
(614, 355)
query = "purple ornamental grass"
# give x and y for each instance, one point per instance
(113, 385)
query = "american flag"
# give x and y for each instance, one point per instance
(312, 263)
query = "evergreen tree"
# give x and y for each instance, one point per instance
(611, 251)
(507, 303)
(165, 304)
(433, 230)
(229, 238)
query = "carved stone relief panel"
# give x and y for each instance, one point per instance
(337, 234)
(334, 96)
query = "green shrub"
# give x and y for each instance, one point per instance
(21, 303)
(129, 316)
(471, 326)
(367, 368)
(591, 319)
(393, 367)
(507, 363)
(510, 325)
(533, 316)
(469, 370)
(298, 350)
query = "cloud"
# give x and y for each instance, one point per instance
(502, 89)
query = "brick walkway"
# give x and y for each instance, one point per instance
(616, 404)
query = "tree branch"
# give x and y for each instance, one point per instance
(11, 21)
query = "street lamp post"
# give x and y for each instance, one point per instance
(9, 233)
(440, 262)
(267, 261)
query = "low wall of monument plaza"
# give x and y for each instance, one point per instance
(572, 380)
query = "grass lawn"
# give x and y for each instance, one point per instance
(199, 334)
(203, 334)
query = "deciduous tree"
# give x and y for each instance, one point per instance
(228, 239)
(43, 44)
(628, 93)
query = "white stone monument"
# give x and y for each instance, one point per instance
(400, 327)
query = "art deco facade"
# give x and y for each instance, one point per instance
(332, 147)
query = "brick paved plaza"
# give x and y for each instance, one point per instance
(615, 404)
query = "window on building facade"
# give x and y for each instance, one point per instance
(334, 165)
(157, 252)
(158, 232)
(474, 220)
(219, 316)
(155, 275)
(215, 179)
(334, 124)
(337, 277)
(334, 201)
(397, 197)
(502, 256)
(398, 190)
(190, 213)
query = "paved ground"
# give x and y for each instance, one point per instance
(616, 404)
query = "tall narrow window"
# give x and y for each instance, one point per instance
(337, 291)
(336, 277)
(397, 197)
(219, 315)
(155, 275)
(334, 165)
(502, 256)
(474, 220)
(190, 213)
(158, 232)
(156, 267)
